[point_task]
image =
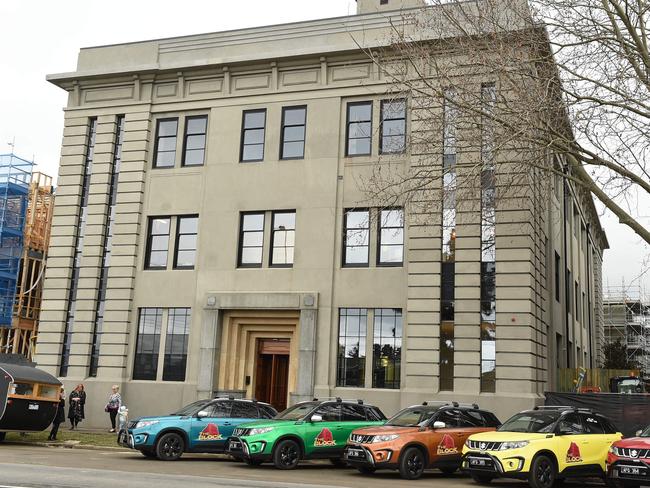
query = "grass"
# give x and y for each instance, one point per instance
(83, 438)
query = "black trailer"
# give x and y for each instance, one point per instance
(29, 398)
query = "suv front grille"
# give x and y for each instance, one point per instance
(633, 453)
(484, 446)
(238, 432)
(362, 439)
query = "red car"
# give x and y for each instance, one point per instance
(628, 462)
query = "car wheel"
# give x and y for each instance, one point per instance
(482, 479)
(542, 472)
(148, 454)
(252, 462)
(411, 464)
(449, 470)
(366, 470)
(338, 462)
(286, 454)
(170, 447)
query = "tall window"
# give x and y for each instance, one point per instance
(387, 348)
(178, 331)
(165, 150)
(351, 359)
(78, 247)
(106, 252)
(391, 237)
(359, 129)
(283, 238)
(251, 240)
(357, 237)
(194, 140)
(393, 127)
(187, 229)
(253, 130)
(157, 242)
(294, 120)
(147, 346)
(557, 276)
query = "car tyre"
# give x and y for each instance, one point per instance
(170, 447)
(543, 472)
(412, 464)
(286, 454)
(482, 479)
(449, 470)
(366, 470)
(338, 463)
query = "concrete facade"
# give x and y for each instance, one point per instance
(316, 64)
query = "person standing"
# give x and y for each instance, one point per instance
(59, 418)
(77, 401)
(113, 405)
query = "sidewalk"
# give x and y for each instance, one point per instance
(81, 439)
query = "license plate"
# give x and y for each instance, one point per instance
(355, 453)
(235, 446)
(33, 406)
(631, 470)
(478, 462)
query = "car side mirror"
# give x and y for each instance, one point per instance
(316, 418)
(202, 414)
(638, 433)
(439, 425)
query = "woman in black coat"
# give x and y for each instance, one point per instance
(76, 406)
(59, 419)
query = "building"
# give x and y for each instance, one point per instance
(26, 203)
(209, 237)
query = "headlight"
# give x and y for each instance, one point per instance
(384, 438)
(513, 445)
(261, 430)
(145, 423)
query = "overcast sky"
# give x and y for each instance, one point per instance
(38, 37)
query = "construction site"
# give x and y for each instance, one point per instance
(26, 206)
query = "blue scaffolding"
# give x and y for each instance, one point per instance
(15, 177)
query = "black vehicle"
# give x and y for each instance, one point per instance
(29, 398)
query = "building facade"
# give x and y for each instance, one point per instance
(211, 236)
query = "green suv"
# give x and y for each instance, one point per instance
(308, 430)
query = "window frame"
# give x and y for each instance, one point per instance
(272, 239)
(347, 127)
(185, 135)
(344, 239)
(157, 140)
(158, 313)
(379, 262)
(243, 134)
(240, 242)
(397, 314)
(177, 240)
(171, 312)
(147, 256)
(283, 126)
(381, 125)
(341, 364)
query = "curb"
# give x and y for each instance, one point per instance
(68, 446)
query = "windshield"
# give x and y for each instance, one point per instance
(531, 422)
(412, 416)
(192, 408)
(297, 412)
(646, 432)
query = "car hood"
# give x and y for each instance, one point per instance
(634, 443)
(503, 436)
(161, 418)
(266, 423)
(385, 429)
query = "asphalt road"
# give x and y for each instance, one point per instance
(42, 467)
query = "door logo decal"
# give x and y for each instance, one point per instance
(447, 446)
(324, 439)
(573, 454)
(210, 433)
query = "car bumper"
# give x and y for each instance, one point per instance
(633, 470)
(483, 463)
(362, 457)
(135, 440)
(240, 449)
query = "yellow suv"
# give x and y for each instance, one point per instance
(542, 446)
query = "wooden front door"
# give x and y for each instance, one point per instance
(272, 372)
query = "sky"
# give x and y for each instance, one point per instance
(39, 37)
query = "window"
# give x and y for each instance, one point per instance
(357, 238)
(194, 141)
(219, 410)
(178, 331)
(294, 120)
(488, 327)
(557, 277)
(450, 417)
(244, 410)
(387, 348)
(147, 344)
(253, 131)
(330, 412)
(359, 129)
(186, 232)
(577, 302)
(383, 2)
(391, 238)
(165, 150)
(251, 240)
(570, 424)
(393, 127)
(352, 413)
(283, 238)
(351, 359)
(157, 242)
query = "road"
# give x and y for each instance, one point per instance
(43, 467)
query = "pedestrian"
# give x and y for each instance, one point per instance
(59, 418)
(113, 405)
(76, 408)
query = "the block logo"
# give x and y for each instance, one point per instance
(210, 433)
(447, 446)
(573, 454)
(324, 439)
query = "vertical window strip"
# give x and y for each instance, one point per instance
(187, 230)
(351, 357)
(157, 242)
(387, 348)
(283, 238)
(78, 247)
(106, 253)
(253, 135)
(165, 150)
(448, 269)
(359, 129)
(194, 141)
(147, 346)
(178, 332)
(251, 240)
(391, 237)
(356, 238)
(393, 127)
(294, 121)
(488, 242)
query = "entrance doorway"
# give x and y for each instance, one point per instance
(272, 372)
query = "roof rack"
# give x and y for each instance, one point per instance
(434, 402)
(339, 399)
(563, 407)
(452, 404)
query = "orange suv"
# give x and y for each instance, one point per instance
(430, 435)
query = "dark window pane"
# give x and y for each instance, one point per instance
(254, 120)
(178, 329)
(295, 116)
(351, 357)
(197, 125)
(352, 413)
(244, 410)
(165, 159)
(292, 134)
(254, 136)
(360, 112)
(293, 150)
(167, 144)
(167, 128)
(387, 348)
(147, 344)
